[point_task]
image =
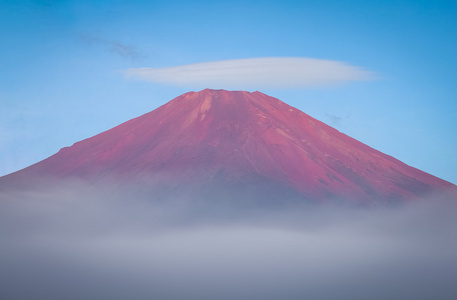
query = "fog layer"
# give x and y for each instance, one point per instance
(84, 243)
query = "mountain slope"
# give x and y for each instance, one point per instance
(215, 138)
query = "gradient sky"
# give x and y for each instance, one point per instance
(63, 67)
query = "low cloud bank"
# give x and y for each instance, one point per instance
(77, 242)
(255, 73)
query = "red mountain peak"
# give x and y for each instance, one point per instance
(238, 138)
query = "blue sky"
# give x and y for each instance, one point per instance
(63, 68)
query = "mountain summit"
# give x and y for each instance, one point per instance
(208, 141)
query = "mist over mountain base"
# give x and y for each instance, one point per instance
(85, 242)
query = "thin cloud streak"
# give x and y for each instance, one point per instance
(255, 73)
(121, 49)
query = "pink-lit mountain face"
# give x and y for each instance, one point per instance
(203, 143)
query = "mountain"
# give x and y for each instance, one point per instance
(236, 143)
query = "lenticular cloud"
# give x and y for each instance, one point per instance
(255, 73)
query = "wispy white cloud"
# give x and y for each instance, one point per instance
(121, 49)
(252, 73)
